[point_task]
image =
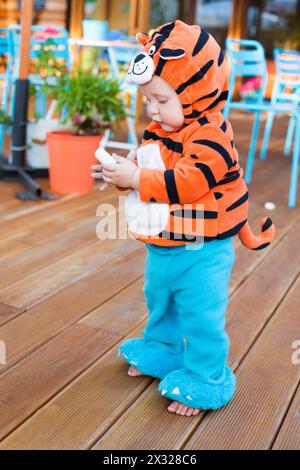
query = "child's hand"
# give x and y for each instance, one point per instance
(122, 173)
(99, 175)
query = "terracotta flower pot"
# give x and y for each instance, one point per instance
(70, 160)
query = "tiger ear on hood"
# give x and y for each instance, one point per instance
(142, 38)
(168, 53)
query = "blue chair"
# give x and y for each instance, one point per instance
(247, 59)
(5, 78)
(60, 49)
(286, 90)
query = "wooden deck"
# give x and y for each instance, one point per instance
(67, 300)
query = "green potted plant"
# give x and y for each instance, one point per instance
(88, 105)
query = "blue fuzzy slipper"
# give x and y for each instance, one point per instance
(186, 387)
(150, 358)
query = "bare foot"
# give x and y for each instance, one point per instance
(183, 410)
(133, 372)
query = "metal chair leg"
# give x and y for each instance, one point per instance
(289, 137)
(295, 166)
(267, 134)
(2, 130)
(252, 148)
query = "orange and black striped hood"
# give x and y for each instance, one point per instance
(197, 177)
(190, 60)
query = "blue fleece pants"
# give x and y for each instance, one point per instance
(184, 342)
(186, 293)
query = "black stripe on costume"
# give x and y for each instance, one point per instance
(238, 202)
(218, 148)
(261, 247)
(229, 179)
(268, 223)
(160, 66)
(163, 34)
(165, 53)
(223, 97)
(165, 30)
(202, 40)
(234, 172)
(203, 120)
(194, 214)
(193, 114)
(221, 58)
(196, 77)
(184, 237)
(218, 195)
(169, 143)
(211, 181)
(210, 95)
(171, 187)
(233, 231)
(224, 126)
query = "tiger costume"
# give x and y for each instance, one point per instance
(192, 174)
(198, 165)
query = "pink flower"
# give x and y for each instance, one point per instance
(40, 37)
(51, 31)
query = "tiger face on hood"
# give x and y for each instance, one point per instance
(190, 60)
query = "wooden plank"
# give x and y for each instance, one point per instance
(75, 233)
(52, 249)
(102, 388)
(57, 209)
(38, 228)
(53, 278)
(120, 313)
(32, 383)
(248, 312)
(41, 323)
(248, 260)
(11, 247)
(80, 430)
(289, 435)
(42, 374)
(7, 312)
(267, 380)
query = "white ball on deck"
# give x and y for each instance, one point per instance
(270, 206)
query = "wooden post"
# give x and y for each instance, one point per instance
(133, 11)
(238, 20)
(77, 11)
(26, 21)
(233, 19)
(241, 30)
(139, 19)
